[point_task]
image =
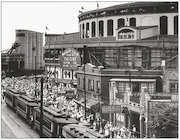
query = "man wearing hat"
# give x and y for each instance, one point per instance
(133, 131)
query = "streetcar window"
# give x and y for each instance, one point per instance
(22, 106)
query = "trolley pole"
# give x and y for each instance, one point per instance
(41, 110)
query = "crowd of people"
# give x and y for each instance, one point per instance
(61, 102)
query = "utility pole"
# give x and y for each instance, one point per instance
(85, 55)
(35, 79)
(41, 110)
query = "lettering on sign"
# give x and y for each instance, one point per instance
(111, 109)
(70, 58)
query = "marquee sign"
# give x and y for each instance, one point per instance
(70, 58)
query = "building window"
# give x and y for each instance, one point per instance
(101, 28)
(156, 57)
(87, 30)
(126, 34)
(121, 22)
(110, 27)
(173, 86)
(163, 25)
(121, 88)
(83, 30)
(136, 87)
(159, 85)
(78, 81)
(132, 22)
(91, 85)
(93, 29)
(170, 53)
(176, 25)
(151, 88)
(98, 86)
(145, 85)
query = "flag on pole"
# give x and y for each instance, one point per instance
(47, 28)
(97, 5)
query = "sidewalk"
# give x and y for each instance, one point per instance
(11, 128)
(6, 132)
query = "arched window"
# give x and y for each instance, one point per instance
(93, 29)
(176, 25)
(110, 27)
(132, 21)
(126, 34)
(87, 30)
(101, 28)
(163, 25)
(83, 30)
(121, 22)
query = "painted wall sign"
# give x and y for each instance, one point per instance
(111, 109)
(70, 58)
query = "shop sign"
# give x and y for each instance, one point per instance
(111, 109)
(70, 58)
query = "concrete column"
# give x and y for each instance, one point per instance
(141, 127)
(105, 28)
(97, 28)
(127, 20)
(90, 29)
(146, 125)
(80, 31)
(115, 27)
(170, 25)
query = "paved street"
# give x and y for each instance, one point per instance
(13, 126)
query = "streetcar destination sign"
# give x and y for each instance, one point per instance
(111, 109)
(70, 58)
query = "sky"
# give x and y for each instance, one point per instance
(57, 16)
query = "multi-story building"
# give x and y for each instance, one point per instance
(27, 53)
(31, 45)
(137, 45)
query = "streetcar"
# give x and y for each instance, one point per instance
(80, 131)
(53, 120)
(25, 105)
(11, 97)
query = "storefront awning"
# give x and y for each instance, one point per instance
(91, 102)
(79, 100)
(96, 107)
(126, 111)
